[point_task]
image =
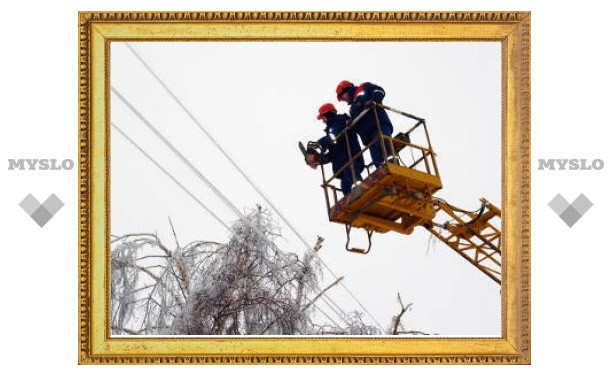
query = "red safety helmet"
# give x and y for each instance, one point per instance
(344, 84)
(326, 108)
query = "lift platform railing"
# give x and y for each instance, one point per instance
(391, 147)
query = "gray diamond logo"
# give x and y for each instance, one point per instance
(41, 213)
(570, 213)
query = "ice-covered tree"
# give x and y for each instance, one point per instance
(247, 286)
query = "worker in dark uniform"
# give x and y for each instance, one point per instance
(334, 147)
(359, 98)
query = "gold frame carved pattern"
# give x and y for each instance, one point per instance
(98, 29)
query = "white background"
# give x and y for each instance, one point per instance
(259, 111)
(570, 118)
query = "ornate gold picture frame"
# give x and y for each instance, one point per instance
(98, 29)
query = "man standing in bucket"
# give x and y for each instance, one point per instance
(334, 148)
(359, 98)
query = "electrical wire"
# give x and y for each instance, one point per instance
(248, 179)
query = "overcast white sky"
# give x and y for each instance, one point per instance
(258, 99)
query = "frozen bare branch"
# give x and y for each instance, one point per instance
(396, 320)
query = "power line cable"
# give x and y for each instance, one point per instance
(247, 178)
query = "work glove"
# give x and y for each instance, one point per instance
(378, 95)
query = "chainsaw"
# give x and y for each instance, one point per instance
(312, 153)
